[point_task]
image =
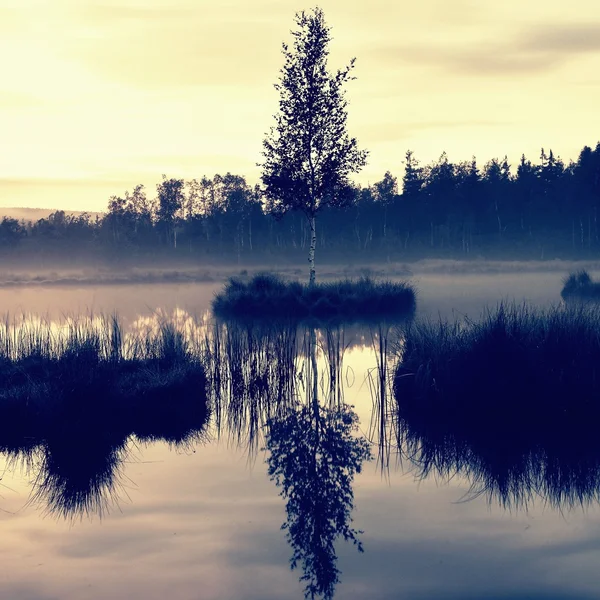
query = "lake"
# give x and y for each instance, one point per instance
(204, 519)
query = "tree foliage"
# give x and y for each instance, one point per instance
(309, 154)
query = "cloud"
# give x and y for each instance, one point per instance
(108, 13)
(537, 50)
(474, 60)
(576, 38)
(392, 132)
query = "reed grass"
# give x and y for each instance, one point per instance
(89, 369)
(75, 395)
(511, 401)
(268, 295)
(518, 369)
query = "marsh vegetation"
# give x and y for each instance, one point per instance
(268, 295)
(509, 401)
(75, 395)
(88, 375)
(541, 365)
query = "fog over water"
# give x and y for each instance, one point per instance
(204, 521)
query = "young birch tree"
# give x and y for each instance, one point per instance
(308, 153)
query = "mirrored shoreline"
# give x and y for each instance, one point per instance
(277, 392)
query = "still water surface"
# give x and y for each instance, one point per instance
(204, 520)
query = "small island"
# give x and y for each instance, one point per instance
(268, 295)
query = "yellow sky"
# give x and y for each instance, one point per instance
(99, 95)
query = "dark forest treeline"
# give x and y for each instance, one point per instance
(542, 209)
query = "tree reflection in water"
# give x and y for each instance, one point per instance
(270, 382)
(313, 458)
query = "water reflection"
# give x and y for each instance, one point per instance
(313, 456)
(278, 390)
(560, 469)
(386, 345)
(80, 473)
(260, 370)
(75, 457)
(284, 380)
(514, 458)
(252, 377)
(273, 386)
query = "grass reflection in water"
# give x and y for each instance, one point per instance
(75, 395)
(277, 385)
(511, 402)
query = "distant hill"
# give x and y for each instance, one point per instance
(35, 214)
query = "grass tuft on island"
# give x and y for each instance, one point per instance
(518, 372)
(268, 295)
(579, 286)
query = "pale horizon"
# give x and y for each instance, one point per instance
(101, 96)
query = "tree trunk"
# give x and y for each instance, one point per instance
(311, 252)
(499, 221)
(315, 374)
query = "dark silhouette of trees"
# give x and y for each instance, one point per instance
(308, 154)
(11, 232)
(129, 220)
(537, 209)
(170, 204)
(386, 191)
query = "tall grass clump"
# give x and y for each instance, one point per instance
(88, 369)
(511, 401)
(579, 286)
(519, 367)
(267, 295)
(74, 393)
